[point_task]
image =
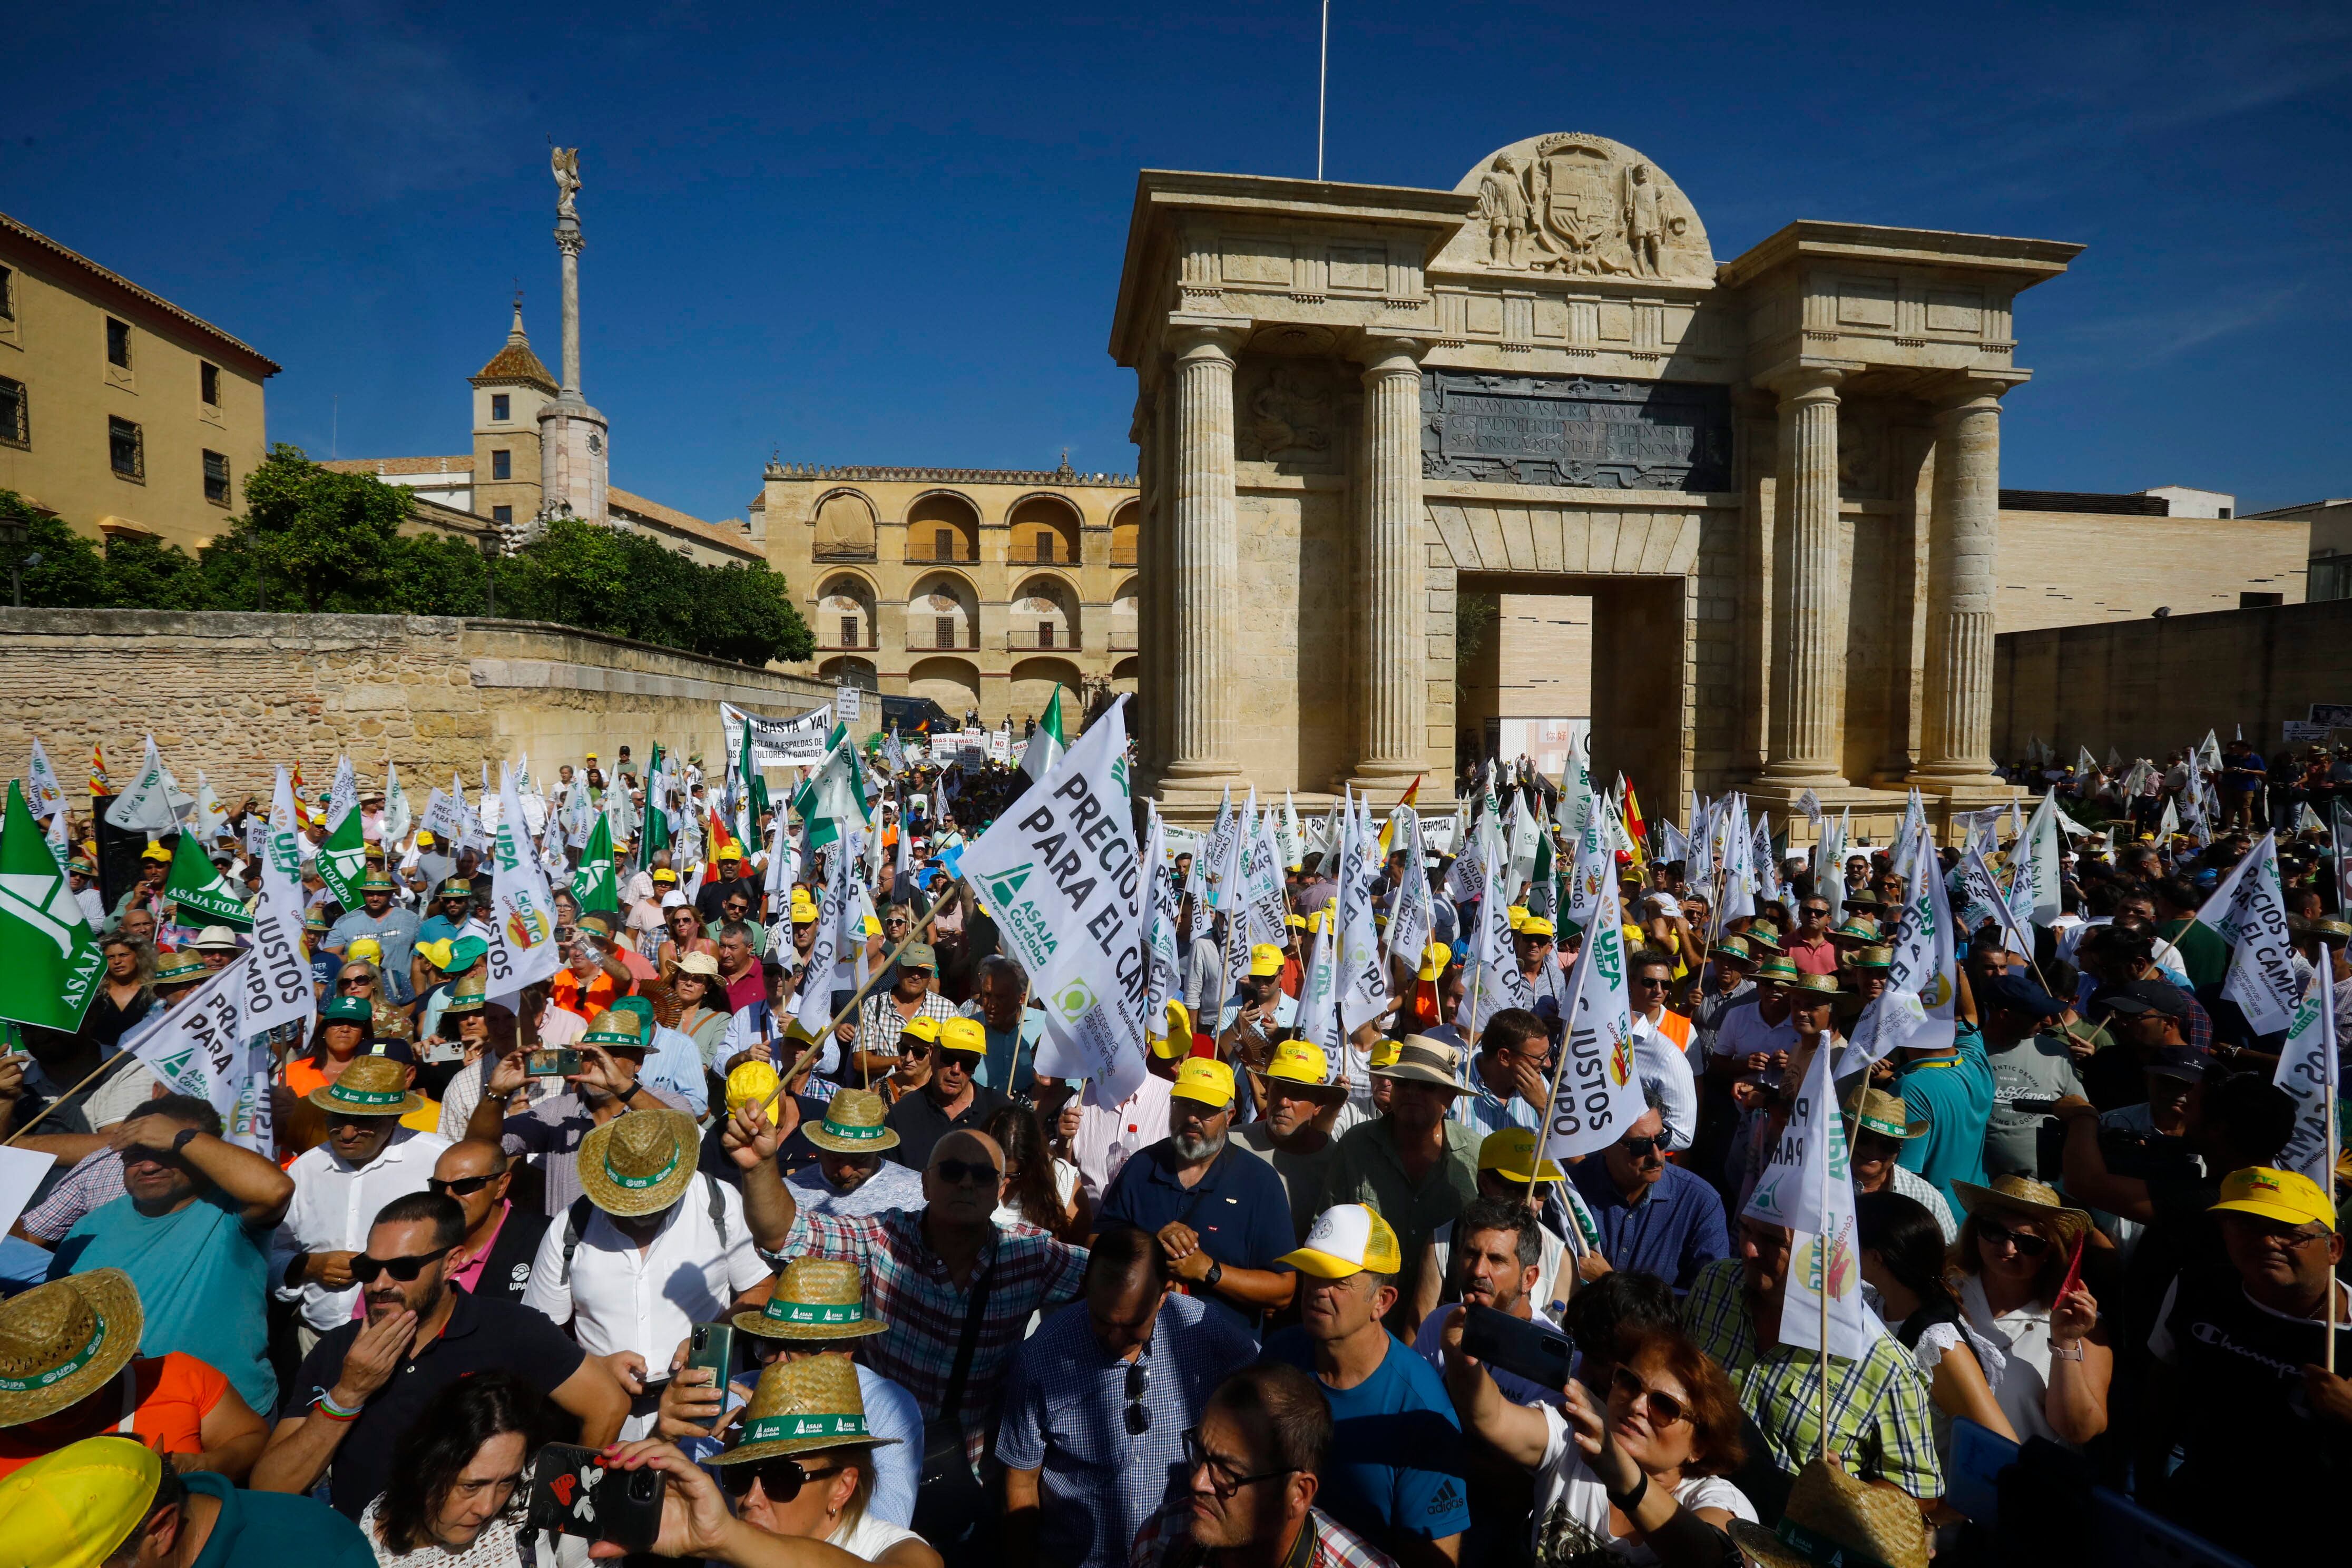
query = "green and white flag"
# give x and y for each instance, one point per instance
(211, 816)
(203, 895)
(596, 884)
(47, 791)
(396, 806)
(832, 797)
(1046, 747)
(49, 961)
(344, 795)
(343, 860)
(523, 910)
(146, 805)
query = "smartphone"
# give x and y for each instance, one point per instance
(441, 1052)
(712, 1345)
(2033, 1106)
(550, 1062)
(572, 1494)
(1533, 1349)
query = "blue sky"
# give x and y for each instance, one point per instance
(891, 233)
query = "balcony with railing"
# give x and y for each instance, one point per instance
(1123, 556)
(934, 555)
(917, 642)
(1046, 637)
(1041, 556)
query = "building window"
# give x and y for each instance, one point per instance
(2259, 601)
(126, 448)
(2225, 513)
(118, 343)
(208, 382)
(499, 406)
(1045, 634)
(2331, 578)
(1044, 547)
(216, 479)
(502, 515)
(944, 547)
(849, 631)
(943, 634)
(502, 465)
(16, 414)
(7, 295)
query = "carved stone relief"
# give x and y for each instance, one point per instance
(1285, 411)
(1574, 205)
(1568, 430)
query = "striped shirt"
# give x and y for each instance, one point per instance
(880, 1021)
(1880, 1425)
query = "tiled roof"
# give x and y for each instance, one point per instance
(735, 539)
(516, 362)
(254, 357)
(385, 466)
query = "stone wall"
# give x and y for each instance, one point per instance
(235, 695)
(2145, 685)
(2070, 569)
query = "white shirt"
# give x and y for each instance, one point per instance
(1565, 1488)
(1657, 1060)
(1743, 1033)
(2023, 1339)
(869, 1537)
(335, 1205)
(648, 1299)
(1106, 1138)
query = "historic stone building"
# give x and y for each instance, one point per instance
(979, 588)
(1775, 479)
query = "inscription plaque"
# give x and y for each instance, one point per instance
(1569, 430)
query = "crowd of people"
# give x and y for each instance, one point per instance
(888, 1291)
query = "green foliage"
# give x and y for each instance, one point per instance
(317, 540)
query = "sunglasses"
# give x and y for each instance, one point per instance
(1992, 1233)
(462, 1188)
(351, 979)
(917, 1053)
(365, 1268)
(967, 1172)
(780, 1479)
(1643, 1148)
(1221, 1479)
(1666, 1410)
(1139, 1384)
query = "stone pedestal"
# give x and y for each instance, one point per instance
(1809, 613)
(1206, 551)
(1393, 689)
(574, 442)
(1956, 730)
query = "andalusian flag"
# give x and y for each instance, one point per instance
(203, 895)
(342, 858)
(752, 790)
(49, 962)
(832, 796)
(597, 885)
(1046, 746)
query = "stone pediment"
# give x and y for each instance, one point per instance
(1576, 205)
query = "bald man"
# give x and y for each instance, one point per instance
(920, 1266)
(501, 1240)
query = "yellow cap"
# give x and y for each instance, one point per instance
(1265, 959)
(924, 1028)
(71, 1509)
(963, 1035)
(804, 911)
(664, 874)
(1384, 1052)
(1348, 1238)
(1179, 1039)
(424, 839)
(1205, 1079)
(366, 947)
(155, 851)
(1508, 1152)
(1434, 961)
(2289, 1197)
(1294, 922)
(1535, 925)
(1314, 921)
(873, 926)
(1518, 913)
(750, 1083)
(1300, 1061)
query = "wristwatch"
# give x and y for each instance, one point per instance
(1215, 1274)
(181, 1140)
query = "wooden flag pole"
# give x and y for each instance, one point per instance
(808, 1057)
(60, 1100)
(2327, 1000)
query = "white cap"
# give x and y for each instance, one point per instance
(674, 899)
(1348, 1238)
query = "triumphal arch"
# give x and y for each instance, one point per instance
(1775, 477)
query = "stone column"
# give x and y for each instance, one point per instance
(1964, 528)
(1205, 555)
(1393, 694)
(570, 241)
(1809, 619)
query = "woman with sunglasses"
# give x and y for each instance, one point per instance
(2023, 1291)
(1039, 1189)
(459, 1480)
(702, 1003)
(684, 926)
(1638, 1480)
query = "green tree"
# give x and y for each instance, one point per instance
(71, 572)
(330, 536)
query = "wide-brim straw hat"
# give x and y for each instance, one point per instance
(1888, 1115)
(814, 1298)
(371, 1085)
(1421, 1059)
(1833, 1517)
(853, 1124)
(64, 1341)
(2027, 1199)
(639, 1163)
(799, 1407)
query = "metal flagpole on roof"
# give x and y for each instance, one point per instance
(1322, 86)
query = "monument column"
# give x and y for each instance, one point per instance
(1964, 529)
(1393, 694)
(1205, 554)
(1809, 597)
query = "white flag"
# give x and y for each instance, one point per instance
(344, 795)
(43, 791)
(1286, 835)
(1209, 861)
(1811, 804)
(1599, 1094)
(2261, 979)
(146, 805)
(1827, 1261)
(211, 815)
(1922, 977)
(396, 805)
(206, 1048)
(1792, 1189)
(1575, 807)
(822, 976)
(1412, 906)
(2307, 1072)
(522, 910)
(445, 818)
(1068, 893)
(1363, 978)
(1167, 973)
(1493, 979)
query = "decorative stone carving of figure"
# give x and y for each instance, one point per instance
(1280, 412)
(1503, 204)
(565, 160)
(1644, 227)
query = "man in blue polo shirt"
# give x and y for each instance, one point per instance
(1221, 1214)
(1653, 1217)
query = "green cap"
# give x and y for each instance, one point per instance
(348, 1010)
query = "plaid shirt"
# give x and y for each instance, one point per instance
(880, 1021)
(908, 1287)
(1879, 1423)
(93, 1183)
(1165, 1541)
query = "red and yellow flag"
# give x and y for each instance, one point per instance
(1412, 794)
(1636, 831)
(98, 784)
(722, 843)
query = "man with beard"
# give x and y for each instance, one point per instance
(1220, 1214)
(849, 1175)
(363, 1385)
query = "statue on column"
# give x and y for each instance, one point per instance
(1504, 207)
(565, 160)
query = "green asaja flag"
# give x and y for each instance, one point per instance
(754, 787)
(597, 885)
(49, 961)
(203, 895)
(832, 795)
(1046, 746)
(343, 860)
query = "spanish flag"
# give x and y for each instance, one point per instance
(1637, 832)
(1412, 794)
(304, 816)
(722, 843)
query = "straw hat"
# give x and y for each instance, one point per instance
(701, 963)
(371, 1085)
(639, 1163)
(1888, 1115)
(1818, 984)
(2028, 1199)
(1421, 1059)
(468, 995)
(853, 1124)
(1871, 957)
(74, 1507)
(815, 1298)
(799, 1407)
(614, 1029)
(1832, 1518)
(62, 1340)
(179, 969)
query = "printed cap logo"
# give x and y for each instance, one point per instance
(1073, 1000)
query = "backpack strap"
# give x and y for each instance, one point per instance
(575, 1220)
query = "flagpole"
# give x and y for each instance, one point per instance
(2325, 981)
(58, 1101)
(808, 1057)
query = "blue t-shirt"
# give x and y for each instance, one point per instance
(1239, 1208)
(202, 1275)
(1955, 1095)
(265, 1530)
(1003, 1045)
(1369, 1485)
